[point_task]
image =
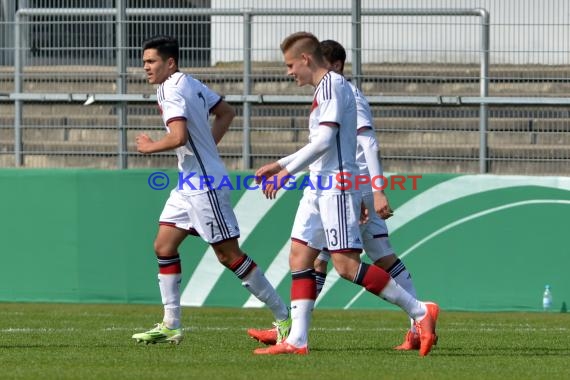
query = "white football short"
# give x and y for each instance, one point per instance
(374, 234)
(209, 214)
(329, 221)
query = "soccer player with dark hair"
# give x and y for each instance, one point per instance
(196, 208)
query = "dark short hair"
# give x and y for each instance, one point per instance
(333, 51)
(166, 46)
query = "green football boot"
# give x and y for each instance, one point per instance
(160, 334)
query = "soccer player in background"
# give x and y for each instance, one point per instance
(374, 232)
(328, 216)
(197, 208)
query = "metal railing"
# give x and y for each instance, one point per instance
(247, 98)
(120, 12)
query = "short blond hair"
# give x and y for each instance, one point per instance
(303, 42)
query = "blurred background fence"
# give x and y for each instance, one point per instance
(458, 86)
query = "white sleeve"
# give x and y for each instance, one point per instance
(173, 105)
(210, 97)
(313, 150)
(366, 139)
(287, 159)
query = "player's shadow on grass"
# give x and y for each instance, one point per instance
(455, 351)
(360, 349)
(59, 345)
(506, 352)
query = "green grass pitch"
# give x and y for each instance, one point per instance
(68, 341)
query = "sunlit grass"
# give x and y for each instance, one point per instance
(54, 341)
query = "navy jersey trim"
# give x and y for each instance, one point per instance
(218, 215)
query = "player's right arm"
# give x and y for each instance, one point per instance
(273, 177)
(312, 151)
(308, 154)
(177, 137)
(173, 106)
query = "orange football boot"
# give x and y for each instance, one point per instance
(426, 328)
(268, 336)
(282, 348)
(411, 342)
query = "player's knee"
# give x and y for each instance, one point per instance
(386, 262)
(162, 249)
(320, 266)
(346, 275)
(345, 272)
(225, 260)
(346, 264)
(227, 253)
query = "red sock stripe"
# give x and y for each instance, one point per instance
(375, 279)
(170, 269)
(169, 264)
(303, 289)
(243, 266)
(233, 266)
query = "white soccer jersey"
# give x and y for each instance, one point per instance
(183, 97)
(334, 102)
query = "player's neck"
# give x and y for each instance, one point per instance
(319, 75)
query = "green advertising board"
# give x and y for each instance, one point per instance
(471, 242)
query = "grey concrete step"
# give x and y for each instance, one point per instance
(279, 149)
(443, 131)
(369, 88)
(545, 166)
(270, 78)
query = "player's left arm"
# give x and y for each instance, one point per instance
(366, 140)
(176, 137)
(224, 115)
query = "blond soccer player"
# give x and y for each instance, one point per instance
(328, 216)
